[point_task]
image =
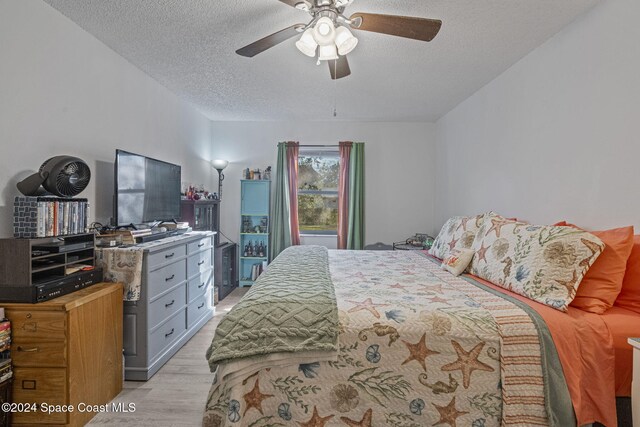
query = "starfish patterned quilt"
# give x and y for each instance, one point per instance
(417, 347)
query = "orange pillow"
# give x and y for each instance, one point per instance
(603, 282)
(629, 297)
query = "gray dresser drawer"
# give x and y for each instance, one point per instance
(198, 263)
(166, 278)
(166, 334)
(166, 306)
(197, 309)
(155, 327)
(199, 284)
(198, 245)
(162, 257)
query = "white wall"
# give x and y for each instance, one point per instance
(64, 92)
(556, 136)
(399, 168)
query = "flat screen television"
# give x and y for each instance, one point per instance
(146, 190)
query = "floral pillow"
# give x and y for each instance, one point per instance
(458, 232)
(543, 263)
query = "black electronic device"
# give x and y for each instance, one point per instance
(51, 289)
(146, 189)
(155, 236)
(61, 247)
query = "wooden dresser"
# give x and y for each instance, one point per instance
(67, 351)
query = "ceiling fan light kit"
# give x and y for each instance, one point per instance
(329, 30)
(324, 32)
(307, 44)
(328, 53)
(345, 41)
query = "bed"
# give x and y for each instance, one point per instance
(412, 345)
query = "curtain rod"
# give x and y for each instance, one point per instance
(318, 145)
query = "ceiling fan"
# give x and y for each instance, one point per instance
(328, 32)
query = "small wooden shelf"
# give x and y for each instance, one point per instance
(254, 257)
(48, 267)
(80, 260)
(22, 264)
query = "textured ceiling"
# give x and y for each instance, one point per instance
(189, 47)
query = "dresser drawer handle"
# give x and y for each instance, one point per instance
(200, 306)
(201, 262)
(170, 255)
(29, 384)
(201, 245)
(170, 278)
(170, 304)
(169, 334)
(28, 350)
(203, 283)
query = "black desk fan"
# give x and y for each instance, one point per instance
(62, 176)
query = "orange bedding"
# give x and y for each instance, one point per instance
(622, 324)
(586, 350)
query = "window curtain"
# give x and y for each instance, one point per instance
(284, 213)
(343, 193)
(351, 196)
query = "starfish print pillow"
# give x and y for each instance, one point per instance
(543, 263)
(458, 232)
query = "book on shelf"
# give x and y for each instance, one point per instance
(44, 216)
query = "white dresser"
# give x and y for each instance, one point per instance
(176, 300)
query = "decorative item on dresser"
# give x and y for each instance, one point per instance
(171, 302)
(67, 351)
(254, 231)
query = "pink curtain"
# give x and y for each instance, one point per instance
(293, 148)
(343, 193)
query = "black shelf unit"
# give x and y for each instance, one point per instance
(225, 270)
(204, 215)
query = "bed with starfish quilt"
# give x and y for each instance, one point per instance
(413, 346)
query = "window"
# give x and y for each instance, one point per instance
(318, 172)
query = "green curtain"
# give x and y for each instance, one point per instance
(355, 235)
(280, 238)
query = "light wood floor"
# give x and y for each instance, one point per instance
(176, 394)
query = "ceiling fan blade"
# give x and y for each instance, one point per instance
(270, 41)
(402, 26)
(339, 68)
(292, 3)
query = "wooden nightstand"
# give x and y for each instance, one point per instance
(635, 384)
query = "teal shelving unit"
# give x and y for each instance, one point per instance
(255, 201)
